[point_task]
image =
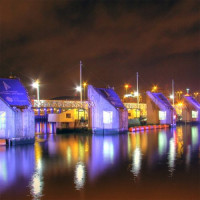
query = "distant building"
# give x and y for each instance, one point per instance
(159, 109)
(16, 115)
(191, 109)
(108, 114)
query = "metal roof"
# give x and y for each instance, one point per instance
(111, 96)
(13, 92)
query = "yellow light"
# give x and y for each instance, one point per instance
(84, 84)
(180, 104)
(126, 86)
(154, 88)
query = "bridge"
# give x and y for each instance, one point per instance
(44, 107)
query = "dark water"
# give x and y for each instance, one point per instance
(161, 164)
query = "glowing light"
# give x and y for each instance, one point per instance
(154, 88)
(126, 86)
(107, 117)
(194, 114)
(162, 115)
(78, 88)
(84, 84)
(171, 96)
(79, 178)
(180, 104)
(36, 84)
(136, 94)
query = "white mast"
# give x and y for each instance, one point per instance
(173, 101)
(137, 95)
(81, 82)
(173, 91)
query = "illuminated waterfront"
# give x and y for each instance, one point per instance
(157, 164)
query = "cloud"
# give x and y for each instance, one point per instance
(114, 40)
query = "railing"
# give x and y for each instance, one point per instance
(61, 104)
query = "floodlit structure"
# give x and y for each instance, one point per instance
(191, 109)
(17, 123)
(107, 114)
(159, 109)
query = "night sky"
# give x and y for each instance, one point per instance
(46, 39)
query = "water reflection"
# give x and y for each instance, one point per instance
(79, 178)
(137, 161)
(104, 153)
(162, 142)
(82, 160)
(37, 184)
(16, 162)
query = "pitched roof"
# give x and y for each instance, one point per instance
(160, 100)
(192, 101)
(13, 92)
(111, 96)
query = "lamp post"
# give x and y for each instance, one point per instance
(196, 94)
(84, 86)
(126, 86)
(36, 84)
(179, 94)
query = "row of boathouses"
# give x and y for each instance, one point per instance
(107, 114)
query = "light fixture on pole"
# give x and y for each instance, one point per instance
(84, 86)
(126, 86)
(36, 84)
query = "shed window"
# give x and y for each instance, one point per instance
(107, 117)
(162, 115)
(194, 114)
(68, 115)
(2, 120)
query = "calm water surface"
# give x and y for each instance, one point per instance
(160, 164)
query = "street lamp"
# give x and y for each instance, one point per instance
(196, 94)
(154, 88)
(126, 87)
(78, 88)
(188, 90)
(36, 84)
(179, 94)
(84, 86)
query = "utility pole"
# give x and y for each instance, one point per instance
(81, 99)
(137, 95)
(173, 101)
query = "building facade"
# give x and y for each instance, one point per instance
(190, 110)
(108, 114)
(16, 114)
(159, 109)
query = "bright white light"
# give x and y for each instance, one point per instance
(36, 84)
(136, 94)
(171, 96)
(78, 88)
(128, 95)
